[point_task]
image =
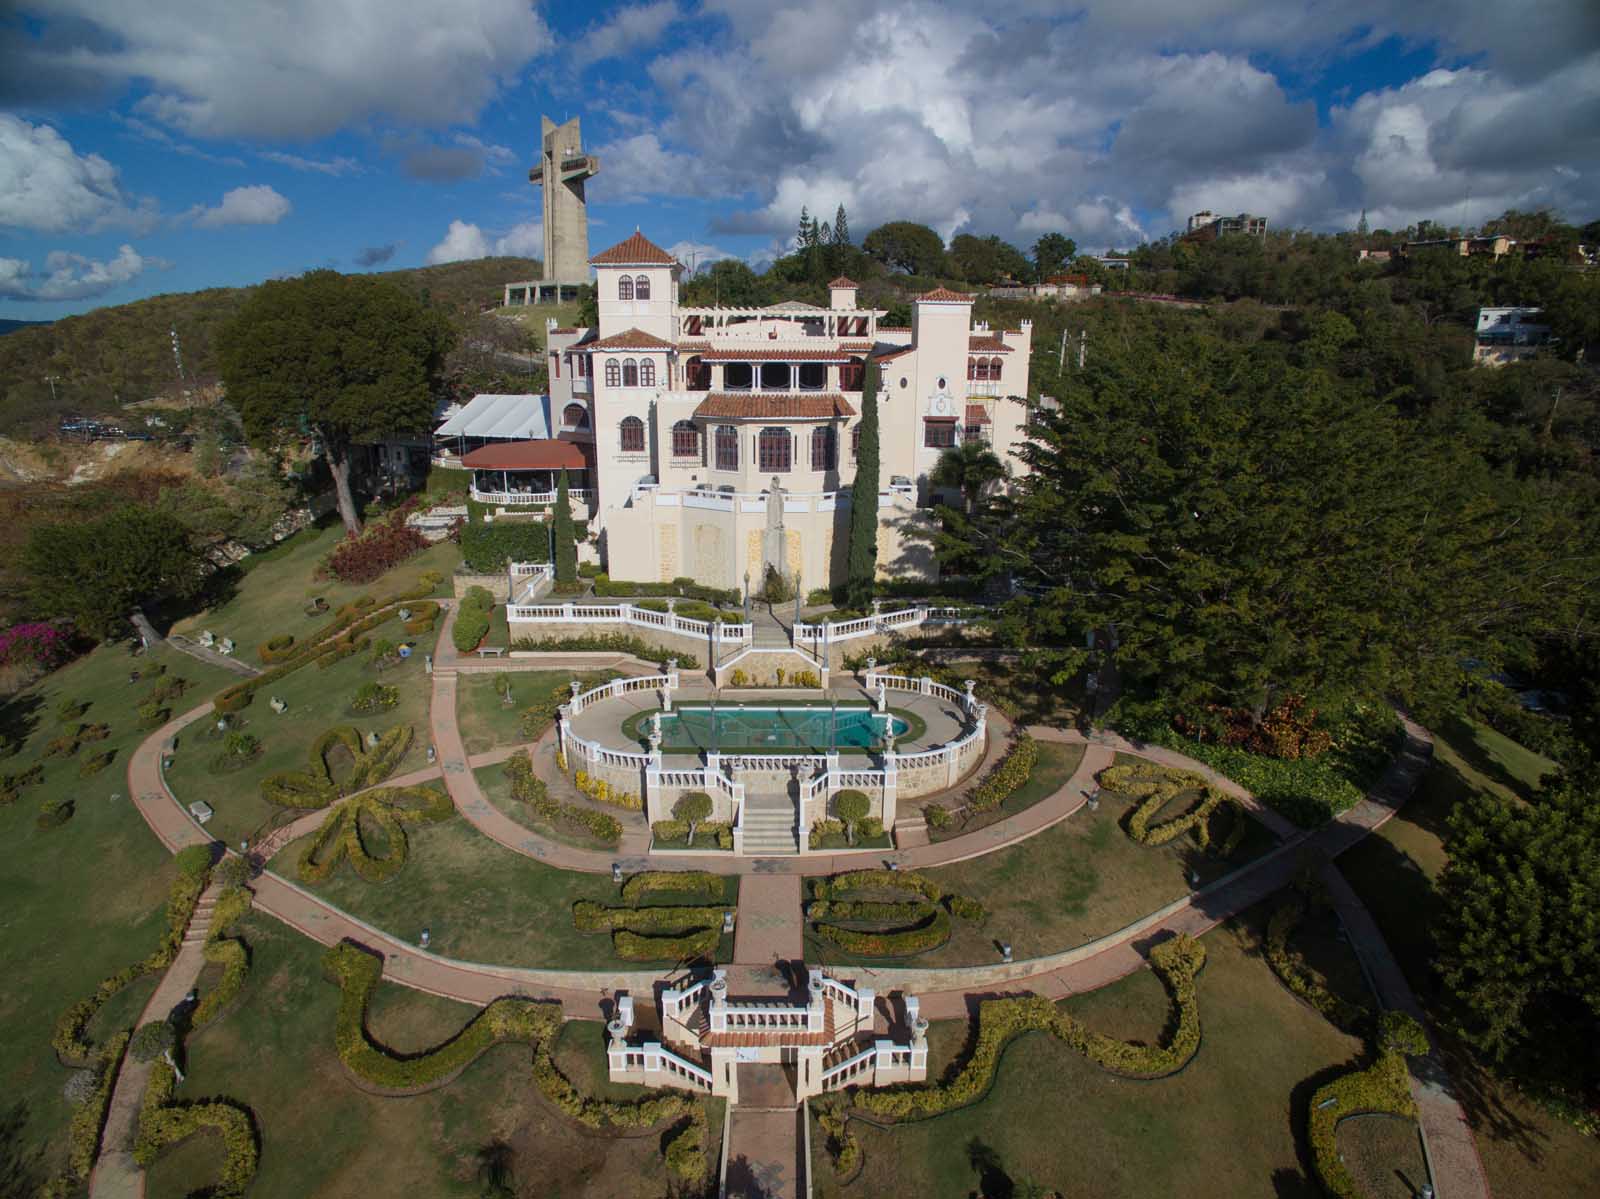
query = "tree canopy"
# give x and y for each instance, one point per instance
(906, 246)
(987, 259)
(861, 561)
(1052, 252)
(341, 356)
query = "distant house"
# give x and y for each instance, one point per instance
(1207, 226)
(1112, 262)
(1057, 287)
(1509, 335)
(1374, 255)
(1495, 246)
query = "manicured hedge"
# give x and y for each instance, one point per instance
(1353, 1018)
(315, 788)
(227, 952)
(678, 830)
(685, 587)
(674, 882)
(633, 947)
(933, 932)
(618, 643)
(653, 934)
(391, 809)
(601, 791)
(277, 649)
(1008, 774)
(1000, 1021)
(686, 1152)
(163, 1122)
(1385, 1087)
(530, 788)
(1154, 787)
(925, 921)
(472, 619)
(489, 549)
(838, 1140)
(89, 1120)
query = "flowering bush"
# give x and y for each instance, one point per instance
(601, 791)
(35, 643)
(383, 546)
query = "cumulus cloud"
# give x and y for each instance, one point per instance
(47, 186)
(437, 164)
(70, 276)
(257, 204)
(463, 241)
(370, 256)
(338, 165)
(292, 69)
(494, 155)
(627, 30)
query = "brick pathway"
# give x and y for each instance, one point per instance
(769, 928)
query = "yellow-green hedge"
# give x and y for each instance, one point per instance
(601, 791)
(163, 1122)
(315, 787)
(391, 809)
(530, 788)
(1353, 1018)
(1000, 1021)
(89, 1120)
(1384, 1086)
(1154, 787)
(674, 882)
(227, 952)
(1010, 773)
(925, 921)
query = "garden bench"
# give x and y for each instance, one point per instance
(495, 650)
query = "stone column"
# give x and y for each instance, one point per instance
(891, 783)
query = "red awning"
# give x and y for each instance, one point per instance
(977, 414)
(529, 455)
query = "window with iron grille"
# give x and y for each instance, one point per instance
(613, 373)
(775, 451)
(824, 448)
(647, 372)
(851, 375)
(641, 287)
(632, 435)
(727, 447)
(625, 288)
(630, 373)
(685, 440)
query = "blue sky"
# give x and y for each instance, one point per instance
(167, 145)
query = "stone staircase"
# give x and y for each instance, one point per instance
(769, 826)
(200, 923)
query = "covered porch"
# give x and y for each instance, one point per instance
(529, 472)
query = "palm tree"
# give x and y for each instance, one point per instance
(970, 468)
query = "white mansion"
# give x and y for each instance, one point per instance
(673, 422)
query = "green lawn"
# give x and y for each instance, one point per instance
(82, 900)
(480, 902)
(323, 1137)
(1051, 770)
(1078, 880)
(1385, 1155)
(318, 700)
(485, 722)
(1226, 1125)
(271, 596)
(1525, 1150)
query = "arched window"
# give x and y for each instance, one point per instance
(738, 376)
(813, 376)
(972, 369)
(824, 448)
(994, 370)
(641, 287)
(647, 372)
(685, 440)
(727, 447)
(625, 288)
(630, 373)
(632, 435)
(613, 373)
(775, 451)
(574, 416)
(697, 375)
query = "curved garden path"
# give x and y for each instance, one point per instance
(1455, 1167)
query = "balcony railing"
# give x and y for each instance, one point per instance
(985, 387)
(582, 385)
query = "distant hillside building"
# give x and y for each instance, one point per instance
(1057, 287)
(1509, 335)
(1207, 226)
(1112, 262)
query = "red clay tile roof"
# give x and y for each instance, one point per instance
(988, 345)
(943, 295)
(630, 339)
(637, 250)
(855, 346)
(977, 414)
(528, 455)
(693, 347)
(842, 281)
(779, 406)
(891, 355)
(773, 355)
(574, 329)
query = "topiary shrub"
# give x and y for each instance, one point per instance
(1385, 1087)
(901, 927)
(316, 787)
(693, 808)
(277, 649)
(852, 807)
(163, 1122)
(153, 1040)
(389, 809)
(1154, 787)
(472, 619)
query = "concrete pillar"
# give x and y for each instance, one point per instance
(890, 789)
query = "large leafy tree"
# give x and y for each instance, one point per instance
(1257, 527)
(987, 259)
(861, 562)
(907, 246)
(1052, 252)
(969, 538)
(97, 572)
(1519, 935)
(345, 357)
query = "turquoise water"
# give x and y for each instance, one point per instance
(776, 728)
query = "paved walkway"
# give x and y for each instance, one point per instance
(116, 1175)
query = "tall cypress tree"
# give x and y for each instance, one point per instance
(566, 539)
(861, 566)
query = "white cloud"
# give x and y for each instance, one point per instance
(492, 154)
(628, 30)
(464, 241)
(257, 204)
(338, 165)
(47, 186)
(294, 68)
(72, 276)
(698, 255)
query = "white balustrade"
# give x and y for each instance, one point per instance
(513, 499)
(849, 1070)
(724, 632)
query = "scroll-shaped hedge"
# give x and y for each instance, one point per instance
(1352, 1018)
(653, 934)
(1384, 1086)
(917, 925)
(228, 952)
(1000, 1021)
(89, 1120)
(163, 1122)
(674, 882)
(390, 809)
(315, 787)
(1154, 787)
(537, 1023)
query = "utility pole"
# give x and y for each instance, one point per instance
(52, 380)
(1083, 347)
(1550, 420)
(1061, 356)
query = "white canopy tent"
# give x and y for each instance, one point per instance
(486, 419)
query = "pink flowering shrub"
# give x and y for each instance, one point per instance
(35, 644)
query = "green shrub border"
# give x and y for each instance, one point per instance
(315, 788)
(163, 1122)
(674, 882)
(1353, 1018)
(1383, 1087)
(926, 921)
(1010, 773)
(89, 1120)
(230, 953)
(530, 788)
(390, 809)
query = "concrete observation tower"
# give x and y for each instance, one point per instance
(562, 170)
